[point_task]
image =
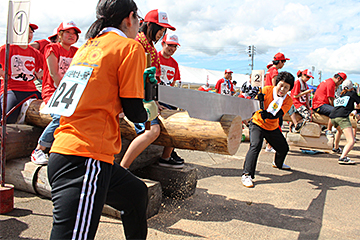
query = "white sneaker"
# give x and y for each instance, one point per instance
(284, 166)
(39, 157)
(247, 181)
(270, 150)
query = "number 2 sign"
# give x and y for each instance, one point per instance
(67, 96)
(18, 22)
(257, 78)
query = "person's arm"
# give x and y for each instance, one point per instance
(53, 66)
(273, 80)
(303, 93)
(134, 109)
(35, 45)
(331, 101)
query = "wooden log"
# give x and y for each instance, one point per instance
(177, 130)
(310, 142)
(21, 140)
(34, 117)
(319, 119)
(311, 129)
(29, 177)
(180, 131)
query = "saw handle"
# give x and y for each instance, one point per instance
(150, 85)
(261, 98)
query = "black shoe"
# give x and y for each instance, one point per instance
(337, 150)
(299, 126)
(170, 163)
(177, 157)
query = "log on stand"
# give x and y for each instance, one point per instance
(180, 131)
(177, 130)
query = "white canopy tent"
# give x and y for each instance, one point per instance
(199, 76)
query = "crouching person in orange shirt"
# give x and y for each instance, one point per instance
(265, 124)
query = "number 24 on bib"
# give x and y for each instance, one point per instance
(67, 96)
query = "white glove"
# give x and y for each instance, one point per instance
(151, 109)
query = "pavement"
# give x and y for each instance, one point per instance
(317, 199)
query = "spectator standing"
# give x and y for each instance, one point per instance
(339, 116)
(224, 85)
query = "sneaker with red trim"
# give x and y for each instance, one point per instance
(39, 157)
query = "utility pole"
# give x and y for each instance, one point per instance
(312, 70)
(319, 76)
(251, 52)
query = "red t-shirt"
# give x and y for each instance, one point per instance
(169, 70)
(325, 90)
(270, 74)
(300, 101)
(42, 44)
(23, 65)
(64, 59)
(224, 87)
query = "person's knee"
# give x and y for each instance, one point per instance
(155, 130)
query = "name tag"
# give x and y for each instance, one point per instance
(341, 102)
(67, 96)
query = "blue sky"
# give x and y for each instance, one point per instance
(216, 34)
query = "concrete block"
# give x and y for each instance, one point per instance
(175, 183)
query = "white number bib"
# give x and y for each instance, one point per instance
(341, 102)
(67, 96)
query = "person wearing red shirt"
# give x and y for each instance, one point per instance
(170, 72)
(205, 88)
(42, 43)
(25, 65)
(278, 63)
(300, 95)
(58, 58)
(224, 85)
(323, 102)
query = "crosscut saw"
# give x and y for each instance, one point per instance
(206, 105)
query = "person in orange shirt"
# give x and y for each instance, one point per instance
(105, 79)
(265, 124)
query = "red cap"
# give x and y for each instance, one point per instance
(33, 26)
(280, 56)
(171, 39)
(269, 65)
(68, 25)
(342, 75)
(160, 18)
(228, 71)
(308, 73)
(55, 32)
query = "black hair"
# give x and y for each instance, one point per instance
(338, 76)
(234, 82)
(32, 29)
(286, 77)
(53, 38)
(110, 13)
(275, 62)
(153, 28)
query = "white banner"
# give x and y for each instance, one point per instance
(18, 22)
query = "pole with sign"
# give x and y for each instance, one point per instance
(17, 33)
